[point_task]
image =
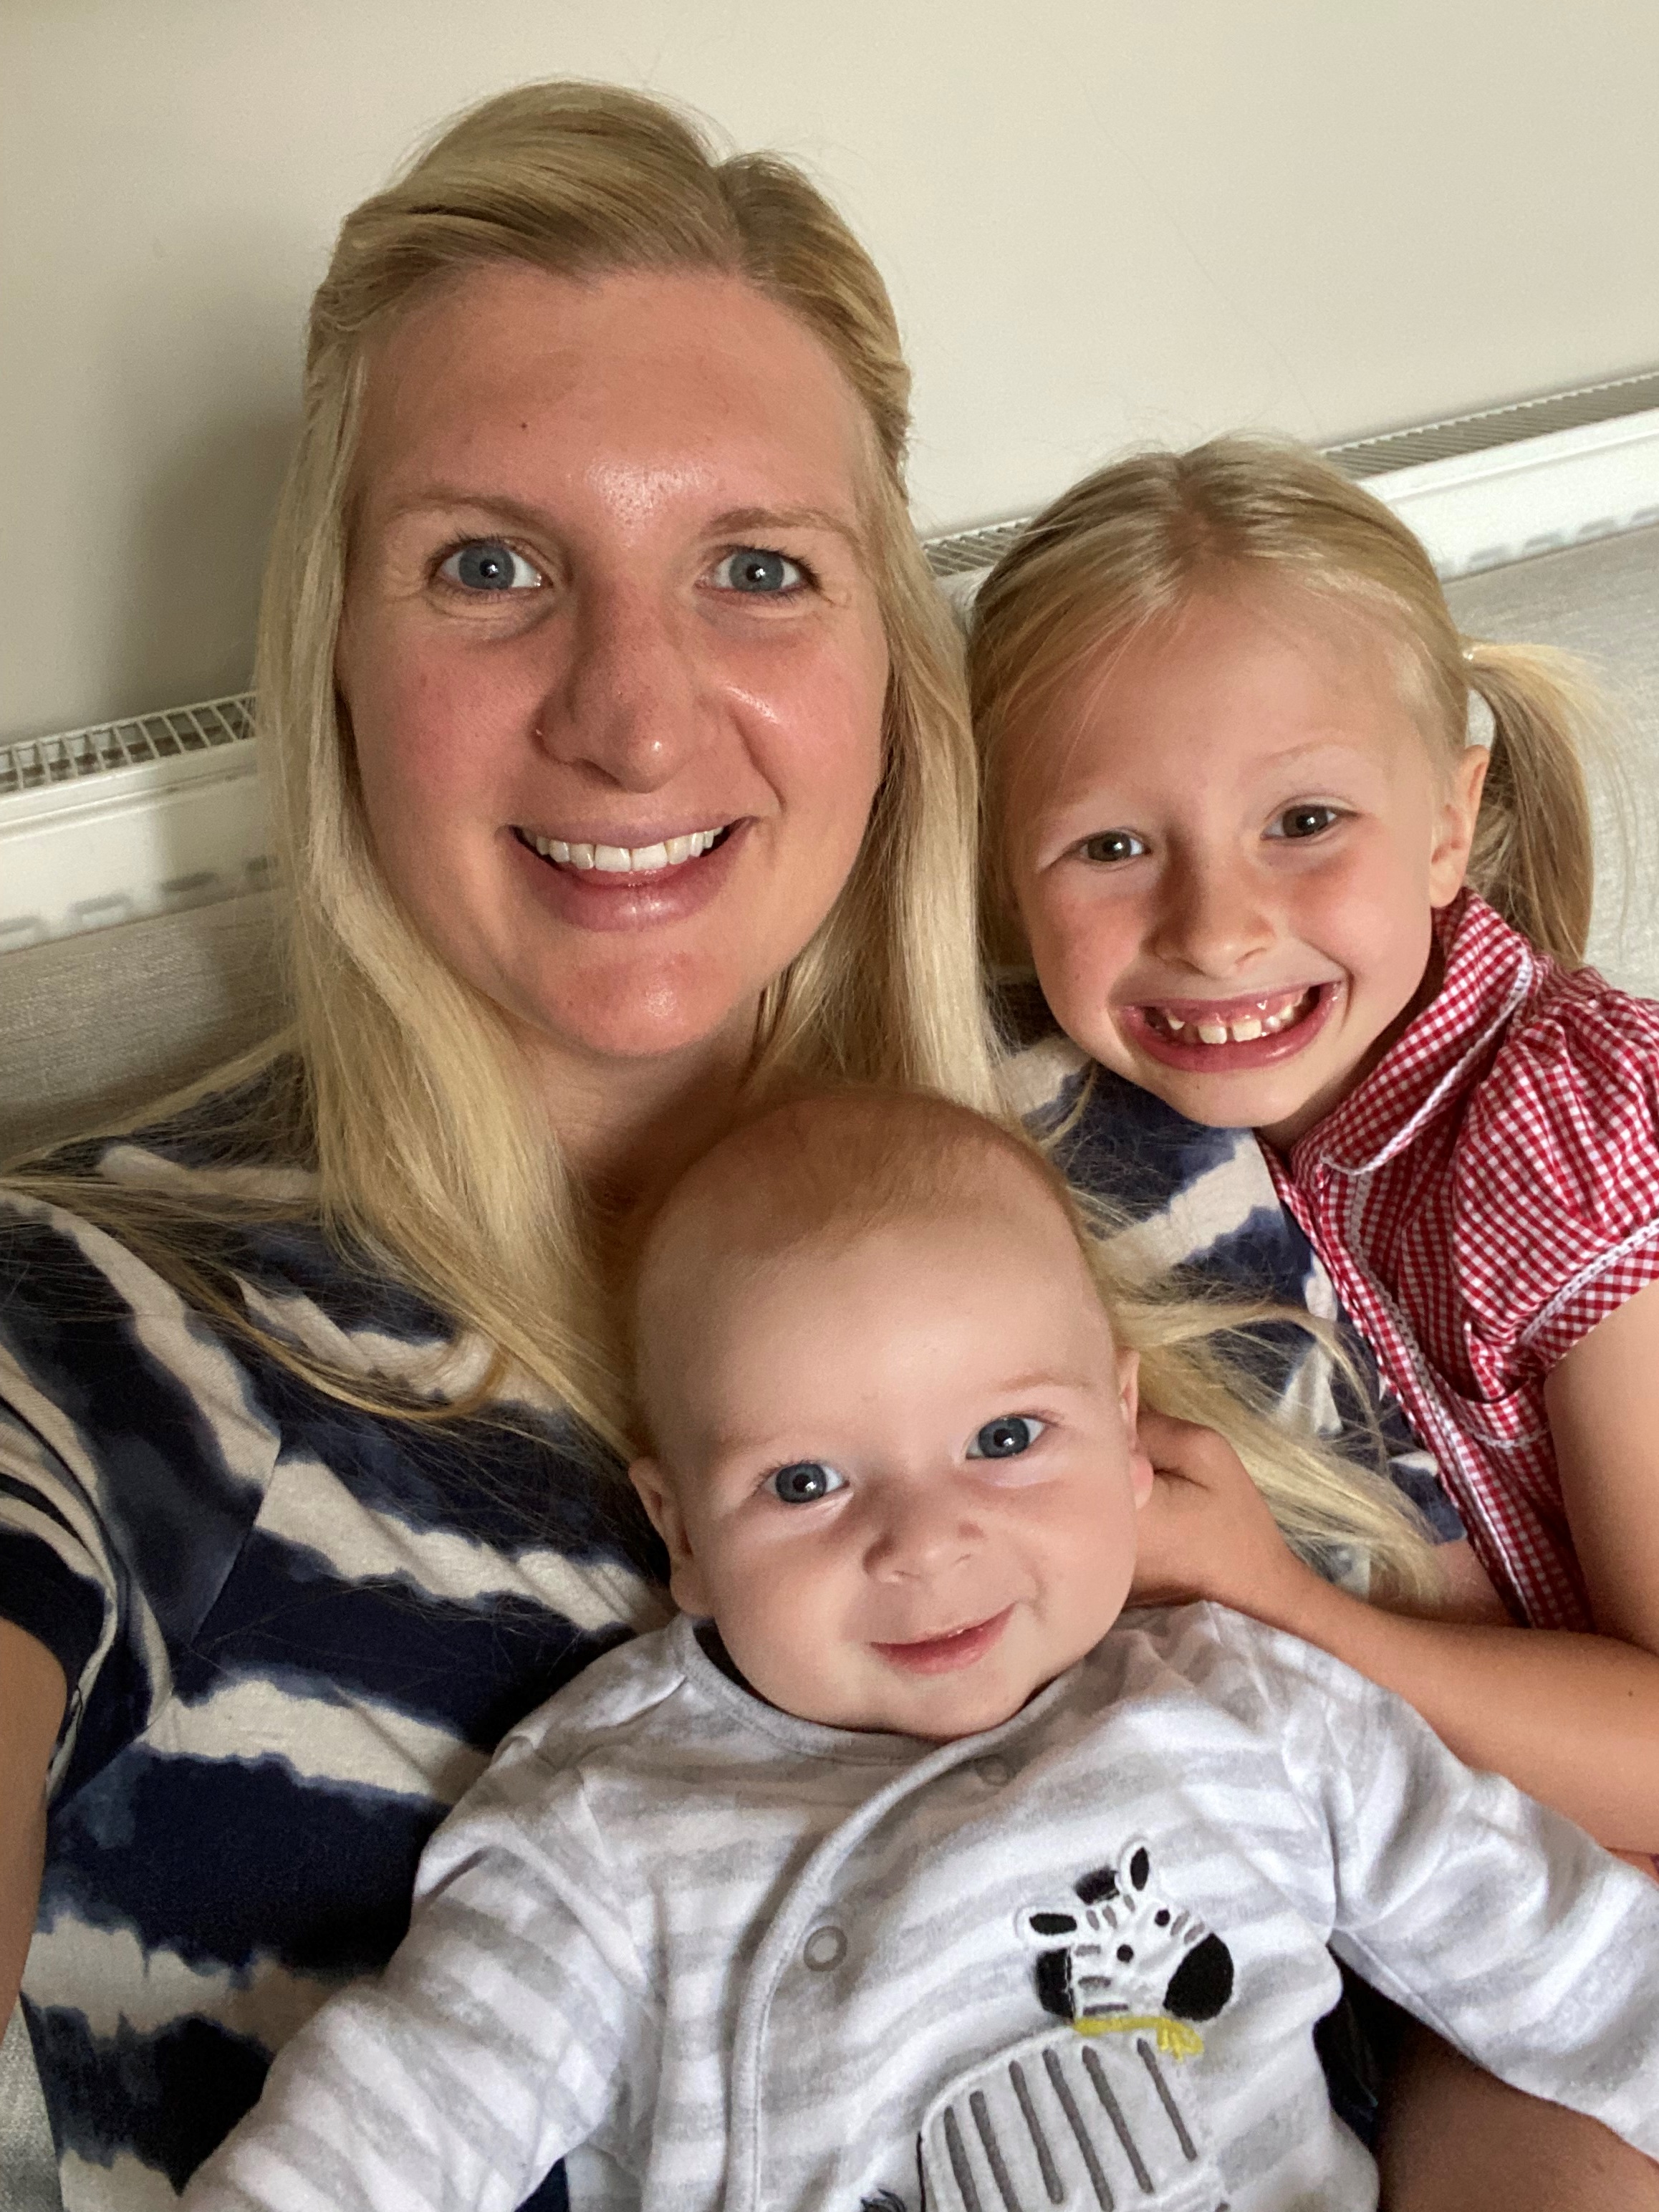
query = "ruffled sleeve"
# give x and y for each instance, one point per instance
(1555, 1187)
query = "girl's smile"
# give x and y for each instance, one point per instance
(1208, 1036)
(1228, 836)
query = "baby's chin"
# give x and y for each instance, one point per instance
(933, 1711)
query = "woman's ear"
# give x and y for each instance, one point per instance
(685, 1581)
(1460, 805)
(1129, 1394)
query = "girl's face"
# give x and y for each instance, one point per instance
(612, 652)
(1225, 838)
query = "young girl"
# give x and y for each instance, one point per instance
(1265, 873)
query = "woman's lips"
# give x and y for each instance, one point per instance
(614, 899)
(943, 1655)
(1169, 1029)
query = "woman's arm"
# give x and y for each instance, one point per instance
(1574, 1719)
(32, 1695)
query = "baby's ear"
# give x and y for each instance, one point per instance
(1128, 1387)
(657, 1497)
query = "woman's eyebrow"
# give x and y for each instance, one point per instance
(786, 517)
(441, 499)
(435, 499)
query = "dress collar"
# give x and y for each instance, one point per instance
(1488, 970)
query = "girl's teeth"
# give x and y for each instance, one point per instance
(1244, 1030)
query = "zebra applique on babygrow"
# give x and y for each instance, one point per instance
(1103, 2111)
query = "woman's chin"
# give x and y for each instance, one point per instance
(636, 1021)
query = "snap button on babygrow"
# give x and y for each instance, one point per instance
(826, 1947)
(991, 1770)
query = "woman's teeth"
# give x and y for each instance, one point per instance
(1266, 1020)
(629, 859)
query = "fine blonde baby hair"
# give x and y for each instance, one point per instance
(1135, 543)
(832, 1167)
(408, 1098)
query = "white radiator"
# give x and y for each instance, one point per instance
(131, 818)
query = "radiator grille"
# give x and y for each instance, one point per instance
(963, 552)
(40, 763)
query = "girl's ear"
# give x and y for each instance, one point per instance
(1449, 862)
(685, 1581)
(1128, 1392)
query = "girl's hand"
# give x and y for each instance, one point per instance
(1205, 1531)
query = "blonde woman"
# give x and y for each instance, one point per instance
(622, 763)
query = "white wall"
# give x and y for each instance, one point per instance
(1102, 219)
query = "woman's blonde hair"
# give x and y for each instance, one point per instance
(1136, 542)
(832, 1167)
(432, 1158)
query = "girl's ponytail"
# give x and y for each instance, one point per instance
(1533, 858)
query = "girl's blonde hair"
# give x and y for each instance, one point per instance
(1136, 542)
(432, 1158)
(832, 1167)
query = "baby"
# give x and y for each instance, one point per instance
(899, 1870)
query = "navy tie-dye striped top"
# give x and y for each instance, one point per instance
(295, 1631)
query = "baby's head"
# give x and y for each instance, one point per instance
(893, 1440)
(1224, 710)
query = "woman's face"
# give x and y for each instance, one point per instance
(611, 654)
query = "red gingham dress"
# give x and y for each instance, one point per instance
(1486, 1196)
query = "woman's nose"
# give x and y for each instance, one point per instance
(1212, 918)
(626, 700)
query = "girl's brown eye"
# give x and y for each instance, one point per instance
(1113, 845)
(1305, 821)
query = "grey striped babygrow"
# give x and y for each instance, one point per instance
(746, 1962)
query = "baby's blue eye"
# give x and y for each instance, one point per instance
(1305, 821)
(1113, 845)
(489, 566)
(1007, 1437)
(751, 568)
(803, 1482)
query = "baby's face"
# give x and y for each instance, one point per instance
(901, 1472)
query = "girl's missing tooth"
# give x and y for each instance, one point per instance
(1234, 813)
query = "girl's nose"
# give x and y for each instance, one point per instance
(625, 702)
(1212, 918)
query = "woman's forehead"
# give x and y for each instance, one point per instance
(512, 383)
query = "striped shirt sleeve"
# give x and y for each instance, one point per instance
(494, 2044)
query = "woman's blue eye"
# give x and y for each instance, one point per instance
(751, 568)
(805, 1481)
(1006, 1439)
(1113, 845)
(489, 566)
(1305, 821)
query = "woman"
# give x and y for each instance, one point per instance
(621, 762)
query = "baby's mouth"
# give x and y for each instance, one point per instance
(1230, 1021)
(582, 858)
(944, 1655)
